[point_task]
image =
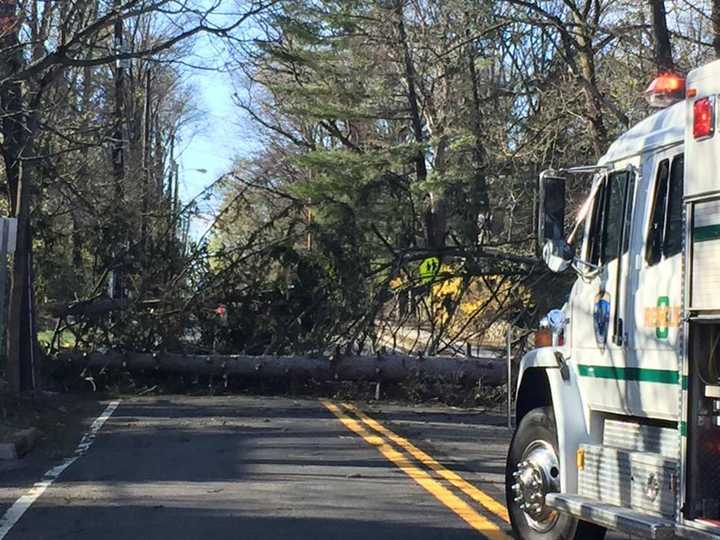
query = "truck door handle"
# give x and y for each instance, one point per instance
(619, 333)
(564, 369)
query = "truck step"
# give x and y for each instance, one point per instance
(612, 516)
(631, 478)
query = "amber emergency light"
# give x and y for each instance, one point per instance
(665, 90)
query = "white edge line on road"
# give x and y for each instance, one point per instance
(19, 507)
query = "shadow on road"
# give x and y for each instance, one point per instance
(245, 467)
(175, 523)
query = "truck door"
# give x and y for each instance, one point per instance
(598, 301)
(658, 290)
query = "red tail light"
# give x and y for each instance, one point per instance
(704, 118)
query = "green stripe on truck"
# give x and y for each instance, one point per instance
(706, 233)
(663, 376)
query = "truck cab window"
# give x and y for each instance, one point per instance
(629, 206)
(673, 223)
(665, 234)
(611, 215)
(614, 219)
(596, 220)
(653, 250)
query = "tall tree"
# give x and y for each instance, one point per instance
(663, 47)
(38, 64)
(715, 17)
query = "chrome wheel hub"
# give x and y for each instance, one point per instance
(537, 474)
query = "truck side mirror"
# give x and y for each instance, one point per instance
(551, 209)
(558, 255)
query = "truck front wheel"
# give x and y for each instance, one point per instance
(532, 471)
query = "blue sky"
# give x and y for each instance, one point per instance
(219, 135)
(216, 137)
(214, 140)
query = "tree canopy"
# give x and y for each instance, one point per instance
(388, 132)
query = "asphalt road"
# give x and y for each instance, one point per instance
(272, 468)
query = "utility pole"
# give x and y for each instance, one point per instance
(175, 198)
(146, 168)
(172, 192)
(118, 150)
(21, 350)
(171, 176)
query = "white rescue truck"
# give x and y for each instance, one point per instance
(618, 421)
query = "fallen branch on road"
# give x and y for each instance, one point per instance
(383, 368)
(93, 308)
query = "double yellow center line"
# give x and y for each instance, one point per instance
(381, 438)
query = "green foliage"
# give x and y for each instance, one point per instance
(389, 132)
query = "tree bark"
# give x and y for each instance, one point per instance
(434, 228)
(586, 64)
(16, 149)
(479, 200)
(385, 368)
(715, 15)
(663, 48)
(415, 117)
(20, 365)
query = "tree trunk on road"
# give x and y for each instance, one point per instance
(385, 368)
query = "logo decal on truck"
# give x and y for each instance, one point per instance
(601, 317)
(662, 317)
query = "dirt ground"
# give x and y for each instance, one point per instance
(59, 418)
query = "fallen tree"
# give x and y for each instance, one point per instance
(382, 368)
(93, 308)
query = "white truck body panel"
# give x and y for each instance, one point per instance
(572, 419)
(703, 155)
(626, 343)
